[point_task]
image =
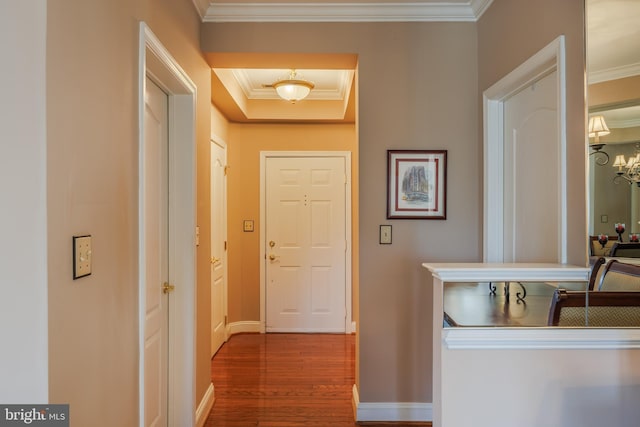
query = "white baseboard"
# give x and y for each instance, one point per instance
(204, 408)
(256, 327)
(246, 327)
(391, 411)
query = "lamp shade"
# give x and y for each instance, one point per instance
(620, 162)
(598, 127)
(293, 89)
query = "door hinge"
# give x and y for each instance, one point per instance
(226, 170)
(225, 320)
(225, 245)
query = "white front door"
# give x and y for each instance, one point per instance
(218, 246)
(155, 206)
(531, 174)
(305, 244)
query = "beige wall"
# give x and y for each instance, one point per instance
(417, 90)
(92, 157)
(614, 91)
(246, 141)
(511, 31)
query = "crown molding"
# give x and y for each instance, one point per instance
(619, 124)
(614, 73)
(468, 11)
(480, 7)
(201, 7)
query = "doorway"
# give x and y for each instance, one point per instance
(155, 229)
(305, 274)
(531, 199)
(218, 245)
(158, 64)
(504, 165)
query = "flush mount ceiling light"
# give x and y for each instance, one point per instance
(293, 89)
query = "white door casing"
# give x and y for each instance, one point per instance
(306, 271)
(549, 59)
(156, 62)
(218, 245)
(155, 205)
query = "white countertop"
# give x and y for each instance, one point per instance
(481, 272)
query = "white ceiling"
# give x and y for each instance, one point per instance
(252, 93)
(613, 39)
(255, 83)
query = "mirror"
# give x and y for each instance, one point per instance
(613, 66)
(614, 179)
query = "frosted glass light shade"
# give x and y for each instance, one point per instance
(293, 90)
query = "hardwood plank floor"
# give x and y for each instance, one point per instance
(285, 380)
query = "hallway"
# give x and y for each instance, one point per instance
(284, 380)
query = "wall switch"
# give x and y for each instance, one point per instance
(385, 234)
(247, 226)
(81, 256)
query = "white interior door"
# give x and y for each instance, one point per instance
(532, 214)
(155, 202)
(218, 246)
(305, 244)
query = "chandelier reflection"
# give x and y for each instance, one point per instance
(628, 170)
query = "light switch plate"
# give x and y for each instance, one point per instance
(385, 234)
(247, 226)
(81, 256)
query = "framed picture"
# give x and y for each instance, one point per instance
(416, 184)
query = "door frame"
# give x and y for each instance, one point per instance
(548, 59)
(225, 303)
(264, 155)
(157, 63)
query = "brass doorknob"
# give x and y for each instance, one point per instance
(272, 257)
(167, 288)
(214, 260)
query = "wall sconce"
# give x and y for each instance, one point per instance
(597, 128)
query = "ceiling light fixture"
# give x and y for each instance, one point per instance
(293, 89)
(597, 128)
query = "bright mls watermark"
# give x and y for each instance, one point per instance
(34, 415)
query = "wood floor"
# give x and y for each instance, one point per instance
(285, 380)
